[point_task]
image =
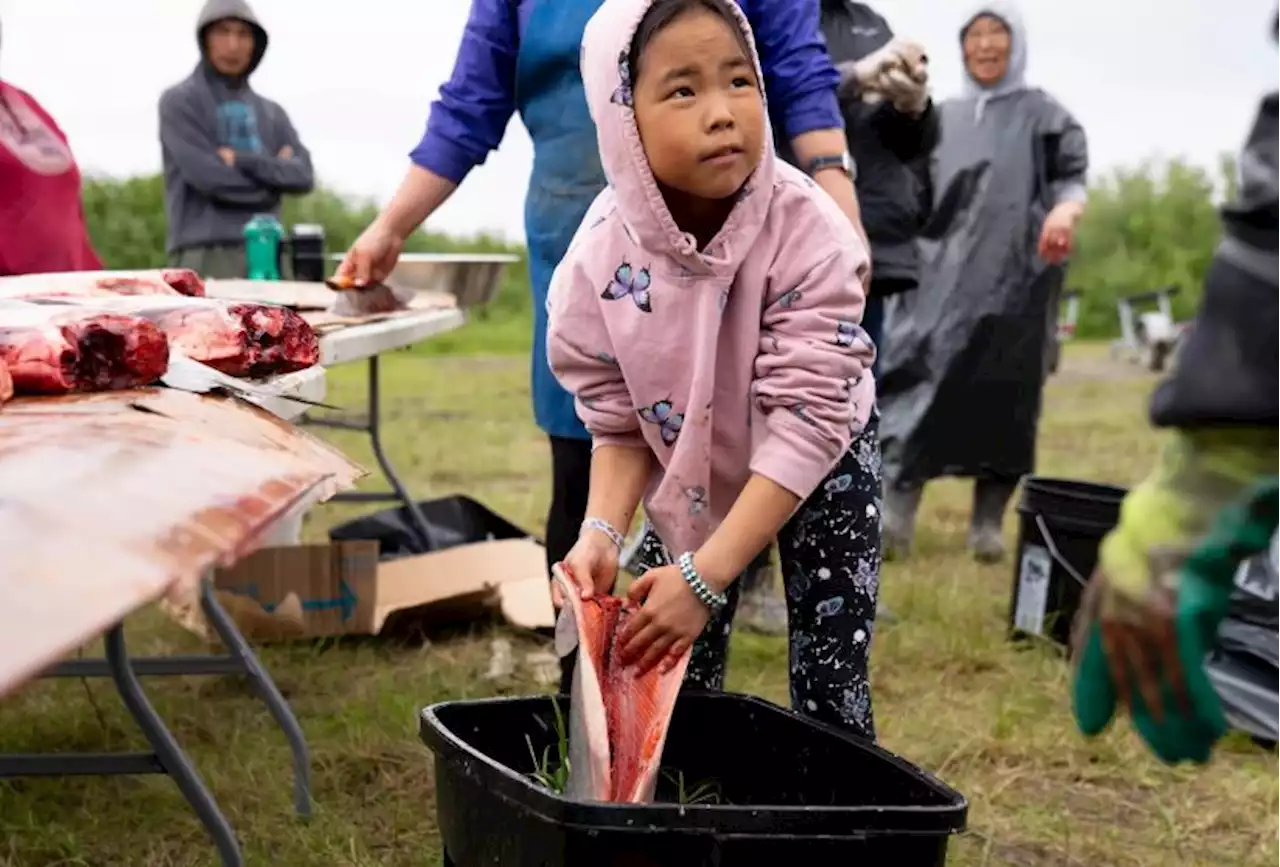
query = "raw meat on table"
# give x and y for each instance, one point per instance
(618, 718)
(185, 280)
(102, 284)
(283, 339)
(236, 338)
(57, 349)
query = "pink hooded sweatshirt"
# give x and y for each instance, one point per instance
(743, 357)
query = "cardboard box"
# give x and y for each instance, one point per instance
(343, 589)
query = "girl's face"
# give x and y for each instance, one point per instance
(986, 49)
(698, 107)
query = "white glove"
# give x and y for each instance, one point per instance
(857, 76)
(898, 70)
(909, 94)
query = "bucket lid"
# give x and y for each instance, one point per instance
(308, 230)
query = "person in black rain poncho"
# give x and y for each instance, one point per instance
(966, 354)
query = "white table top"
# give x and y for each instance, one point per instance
(445, 257)
(359, 342)
(309, 383)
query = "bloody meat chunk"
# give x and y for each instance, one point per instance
(184, 280)
(285, 342)
(60, 349)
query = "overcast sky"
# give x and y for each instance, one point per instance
(1180, 77)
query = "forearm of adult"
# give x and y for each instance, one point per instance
(419, 195)
(619, 476)
(825, 143)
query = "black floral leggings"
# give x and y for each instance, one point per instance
(830, 552)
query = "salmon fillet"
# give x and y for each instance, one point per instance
(618, 719)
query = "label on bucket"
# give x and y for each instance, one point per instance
(1033, 590)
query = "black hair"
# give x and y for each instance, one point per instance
(664, 12)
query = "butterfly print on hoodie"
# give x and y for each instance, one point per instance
(626, 284)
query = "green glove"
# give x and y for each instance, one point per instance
(1204, 586)
(1179, 737)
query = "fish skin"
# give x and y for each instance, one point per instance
(589, 773)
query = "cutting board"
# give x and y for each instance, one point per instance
(287, 293)
(306, 296)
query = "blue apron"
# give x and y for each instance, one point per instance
(566, 175)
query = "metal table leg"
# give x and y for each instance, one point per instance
(171, 756)
(267, 691)
(166, 756)
(398, 493)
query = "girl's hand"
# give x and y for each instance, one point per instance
(593, 565)
(1057, 238)
(667, 624)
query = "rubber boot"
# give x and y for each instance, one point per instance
(898, 528)
(986, 536)
(761, 608)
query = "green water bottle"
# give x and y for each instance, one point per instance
(262, 236)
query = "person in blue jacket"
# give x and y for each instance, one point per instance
(522, 56)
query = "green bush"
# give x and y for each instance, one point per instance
(1146, 227)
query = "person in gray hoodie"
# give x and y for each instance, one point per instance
(229, 153)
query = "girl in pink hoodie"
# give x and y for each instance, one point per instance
(706, 319)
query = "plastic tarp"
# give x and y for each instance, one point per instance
(966, 354)
(112, 500)
(1244, 665)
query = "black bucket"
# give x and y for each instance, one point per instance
(789, 791)
(1061, 524)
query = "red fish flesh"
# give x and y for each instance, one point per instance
(60, 349)
(618, 718)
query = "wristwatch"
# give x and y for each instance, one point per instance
(843, 161)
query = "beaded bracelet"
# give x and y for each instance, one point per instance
(707, 596)
(601, 525)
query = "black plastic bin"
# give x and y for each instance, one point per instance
(795, 793)
(1061, 524)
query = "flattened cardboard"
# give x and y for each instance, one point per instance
(336, 584)
(344, 590)
(507, 575)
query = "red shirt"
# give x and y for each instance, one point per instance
(42, 226)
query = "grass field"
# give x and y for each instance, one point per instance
(951, 694)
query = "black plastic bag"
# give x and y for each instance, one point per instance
(1245, 664)
(451, 521)
(1255, 597)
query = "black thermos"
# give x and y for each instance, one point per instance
(307, 246)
